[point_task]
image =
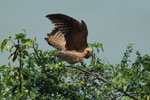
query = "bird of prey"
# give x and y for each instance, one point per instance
(69, 36)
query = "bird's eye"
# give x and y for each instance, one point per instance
(88, 52)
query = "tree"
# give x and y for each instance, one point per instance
(39, 75)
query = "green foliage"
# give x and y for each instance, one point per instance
(39, 75)
(3, 44)
(97, 46)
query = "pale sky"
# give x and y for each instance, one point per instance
(114, 23)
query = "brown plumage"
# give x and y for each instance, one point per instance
(69, 36)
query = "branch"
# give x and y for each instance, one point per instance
(125, 93)
(147, 93)
(37, 54)
(40, 60)
(20, 69)
(99, 77)
(90, 73)
(13, 42)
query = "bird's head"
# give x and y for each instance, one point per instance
(88, 52)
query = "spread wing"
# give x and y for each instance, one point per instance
(56, 39)
(70, 34)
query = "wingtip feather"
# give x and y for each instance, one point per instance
(47, 15)
(58, 14)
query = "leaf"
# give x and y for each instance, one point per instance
(20, 36)
(34, 39)
(125, 88)
(3, 44)
(9, 48)
(90, 90)
(14, 89)
(3, 67)
(24, 30)
(97, 46)
(100, 45)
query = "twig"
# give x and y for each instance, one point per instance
(13, 42)
(90, 73)
(37, 54)
(125, 93)
(40, 60)
(20, 69)
(147, 93)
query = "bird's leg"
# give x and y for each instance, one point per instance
(82, 63)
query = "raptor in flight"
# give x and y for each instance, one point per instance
(69, 36)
